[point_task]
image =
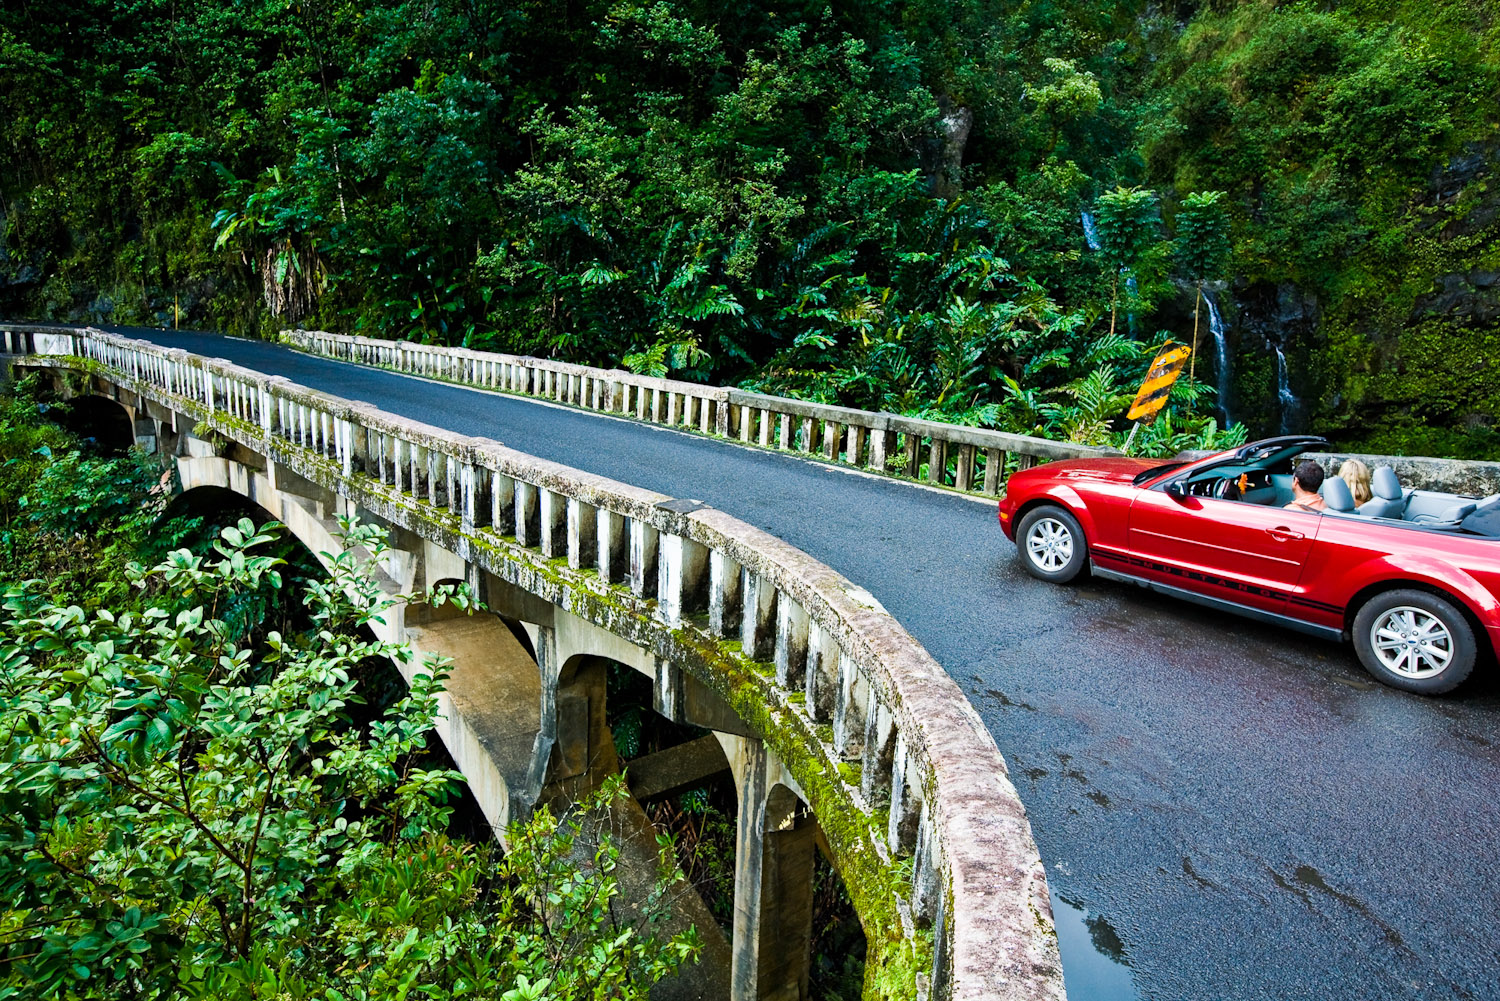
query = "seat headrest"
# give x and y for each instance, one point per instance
(1384, 484)
(1336, 495)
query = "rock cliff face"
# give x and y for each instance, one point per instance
(1407, 360)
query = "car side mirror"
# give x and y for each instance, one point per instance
(1176, 490)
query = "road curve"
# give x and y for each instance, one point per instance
(1240, 811)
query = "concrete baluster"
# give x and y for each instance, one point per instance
(937, 460)
(807, 441)
(672, 411)
(906, 800)
(912, 448)
(994, 470)
(963, 476)
(528, 521)
(758, 628)
(643, 572)
(583, 524)
(831, 440)
(925, 880)
(682, 578)
(436, 461)
(656, 404)
(267, 411)
(451, 500)
(784, 439)
(822, 673)
(399, 464)
(502, 502)
(880, 741)
(554, 517)
(791, 643)
(375, 442)
(849, 710)
(854, 445)
(475, 486)
(725, 616)
(614, 547)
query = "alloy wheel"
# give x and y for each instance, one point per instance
(1049, 544)
(1412, 642)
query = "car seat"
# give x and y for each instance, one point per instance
(1337, 496)
(1452, 514)
(1389, 500)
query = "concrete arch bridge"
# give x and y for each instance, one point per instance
(842, 734)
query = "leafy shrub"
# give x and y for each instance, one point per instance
(182, 814)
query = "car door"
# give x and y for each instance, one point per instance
(1248, 554)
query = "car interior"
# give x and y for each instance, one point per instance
(1266, 479)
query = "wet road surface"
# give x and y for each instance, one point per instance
(1229, 810)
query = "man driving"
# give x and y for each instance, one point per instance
(1306, 481)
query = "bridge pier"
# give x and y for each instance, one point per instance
(775, 842)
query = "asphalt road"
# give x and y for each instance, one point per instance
(1238, 812)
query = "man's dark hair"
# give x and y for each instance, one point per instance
(1309, 475)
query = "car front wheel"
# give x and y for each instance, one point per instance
(1052, 544)
(1415, 641)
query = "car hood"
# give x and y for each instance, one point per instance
(1114, 469)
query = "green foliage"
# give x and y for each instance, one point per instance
(183, 814)
(786, 196)
(1203, 236)
(1127, 222)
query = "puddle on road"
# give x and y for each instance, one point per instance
(1093, 957)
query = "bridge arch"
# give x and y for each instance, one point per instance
(107, 423)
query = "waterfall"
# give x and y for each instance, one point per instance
(1284, 394)
(1090, 232)
(1221, 352)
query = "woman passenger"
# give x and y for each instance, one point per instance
(1357, 475)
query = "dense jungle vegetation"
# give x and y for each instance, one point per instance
(214, 784)
(872, 203)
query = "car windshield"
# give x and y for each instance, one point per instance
(1156, 471)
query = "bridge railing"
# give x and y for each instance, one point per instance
(901, 767)
(969, 459)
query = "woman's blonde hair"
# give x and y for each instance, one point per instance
(1357, 475)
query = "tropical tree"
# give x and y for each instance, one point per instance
(1127, 233)
(1202, 248)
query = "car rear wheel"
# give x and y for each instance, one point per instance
(1052, 544)
(1415, 641)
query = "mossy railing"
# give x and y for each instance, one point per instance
(967, 459)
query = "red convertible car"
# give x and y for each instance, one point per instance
(1412, 577)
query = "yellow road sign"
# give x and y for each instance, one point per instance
(1157, 385)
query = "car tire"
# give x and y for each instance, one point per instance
(1051, 544)
(1415, 640)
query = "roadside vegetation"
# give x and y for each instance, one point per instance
(214, 785)
(877, 206)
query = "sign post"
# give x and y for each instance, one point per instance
(1157, 386)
